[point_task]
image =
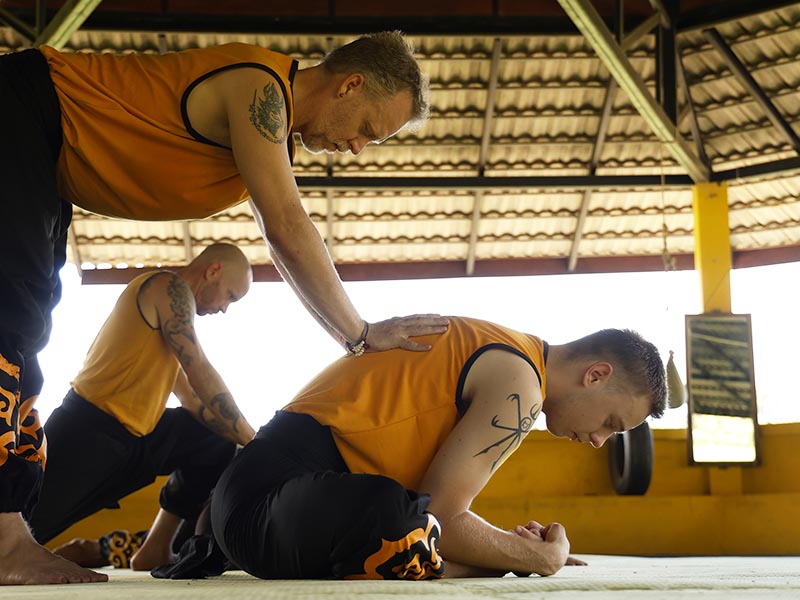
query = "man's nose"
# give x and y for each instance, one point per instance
(357, 145)
(597, 439)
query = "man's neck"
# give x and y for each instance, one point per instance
(308, 90)
(190, 275)
(556, 363)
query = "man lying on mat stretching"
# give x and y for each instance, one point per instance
(370, 471)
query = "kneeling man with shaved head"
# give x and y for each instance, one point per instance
(113, 434)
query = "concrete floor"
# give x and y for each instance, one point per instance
(606, 577)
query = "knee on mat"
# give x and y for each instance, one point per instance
(389, 501)
(412, 556)
(177, 498)
(404, 537)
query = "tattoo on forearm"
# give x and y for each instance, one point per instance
(179, 330)
(512, 439)
(221, 415)
(210, 420)
(224, 405)
(266, 114)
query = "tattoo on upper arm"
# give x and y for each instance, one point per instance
(179, 329)
(266, 114)
(517, 432)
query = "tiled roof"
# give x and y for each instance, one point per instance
(543, 127)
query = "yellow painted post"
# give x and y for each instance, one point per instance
(712, 249)
(725, 481)
(712, 260)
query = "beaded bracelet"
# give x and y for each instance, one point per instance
(358, 347)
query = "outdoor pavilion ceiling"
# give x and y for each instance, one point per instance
(555, 144)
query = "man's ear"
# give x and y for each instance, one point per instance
(213, 271)
(597, 372)
(351, 83)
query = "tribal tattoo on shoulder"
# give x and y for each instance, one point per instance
(266, 114)
(516, 432)
(181, 325)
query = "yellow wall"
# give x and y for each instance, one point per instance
(552, 480)
(549, 479)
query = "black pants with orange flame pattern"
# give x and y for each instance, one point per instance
(288, 508)
(94, 462)
(33, 241)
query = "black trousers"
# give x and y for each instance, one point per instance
(33, 238)
(288, 508)
(93, 462)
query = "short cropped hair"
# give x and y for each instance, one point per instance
(633, 357)
(386, 60)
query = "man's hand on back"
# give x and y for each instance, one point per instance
(394, 332)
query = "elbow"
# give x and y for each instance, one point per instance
(445, 512)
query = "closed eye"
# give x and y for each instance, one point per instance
(368, 133)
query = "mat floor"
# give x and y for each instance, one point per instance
(605, 577)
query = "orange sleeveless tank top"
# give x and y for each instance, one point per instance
(129, 371)
(389, 412)
(128, 148)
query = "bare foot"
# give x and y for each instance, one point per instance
(85, 553)
(157, 547)
(25, 562)
(151, 556)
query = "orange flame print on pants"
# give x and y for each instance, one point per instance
(416, 556)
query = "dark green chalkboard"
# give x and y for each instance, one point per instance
(719, 352)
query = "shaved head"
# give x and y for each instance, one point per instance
(227, 254)
(223, 275)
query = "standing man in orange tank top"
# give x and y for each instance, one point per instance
(178, 136)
